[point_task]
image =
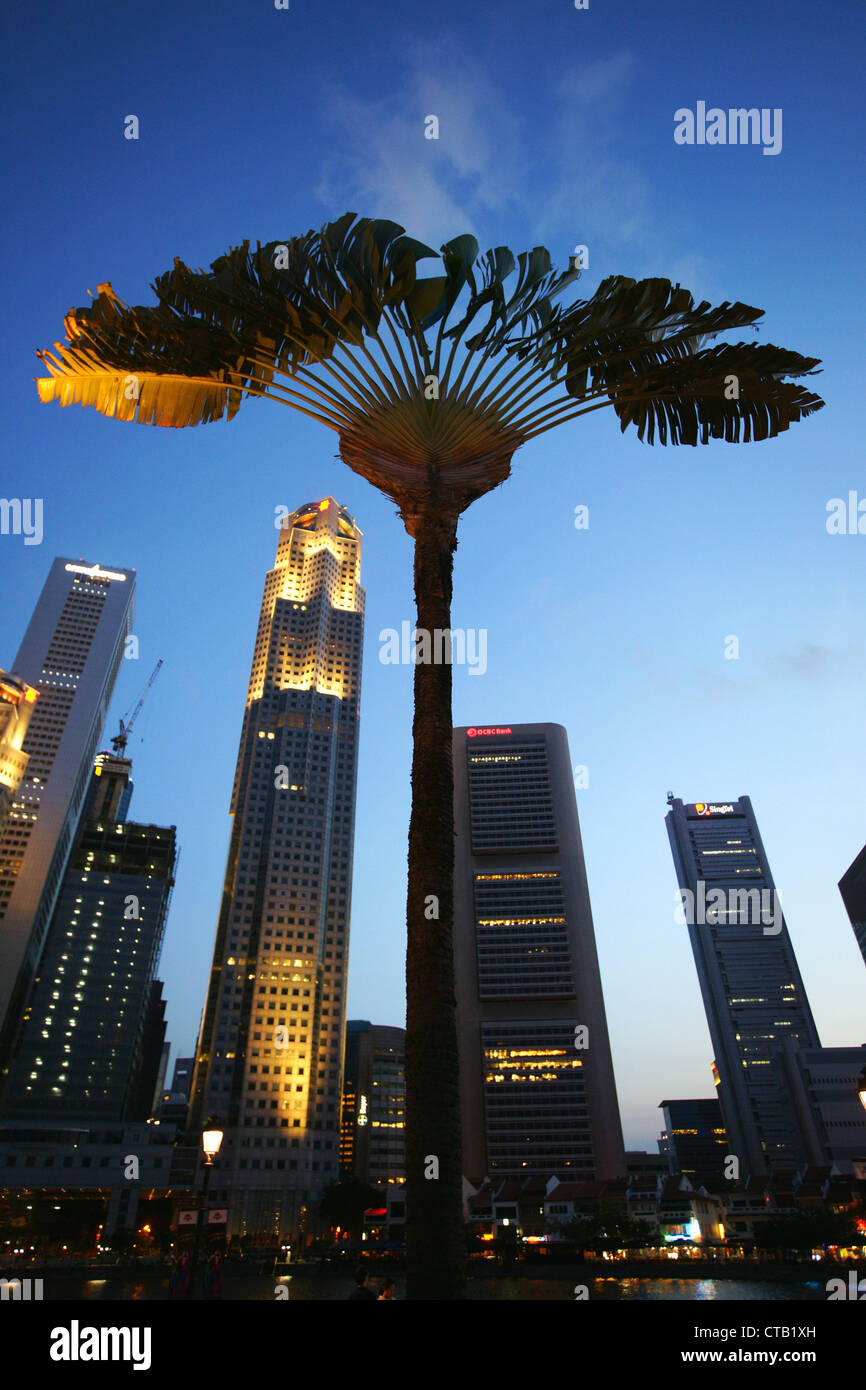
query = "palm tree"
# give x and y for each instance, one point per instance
(338, 324)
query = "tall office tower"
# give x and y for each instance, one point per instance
(89, 1043)
(750, 982)
(852, 886)
(373, 1118)
(537, 1093)
(71, 653)
(694, 1140)
(17, 699)
(270, 1050)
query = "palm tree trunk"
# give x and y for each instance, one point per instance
(436, 1249)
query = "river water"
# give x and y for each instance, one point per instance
(336, 1287)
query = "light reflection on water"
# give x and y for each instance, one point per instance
(336, 1287)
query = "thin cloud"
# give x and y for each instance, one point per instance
(562, 175)
(437, 188)
(807, 664)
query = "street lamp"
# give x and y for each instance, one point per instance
(210, 1141)
(212, 1137)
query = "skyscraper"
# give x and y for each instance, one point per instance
(269, 1058)
(852, 886)
(17, 699)
(537, 1085)
(694, 1140)
(71, 653)
(92, 1027)
(373, 1119)
(750, 982)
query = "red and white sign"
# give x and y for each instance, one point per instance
(187, 1218)
(218, 1216)
(478, 733)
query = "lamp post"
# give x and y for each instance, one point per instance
(212, 1137)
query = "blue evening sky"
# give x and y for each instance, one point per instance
(555, 127)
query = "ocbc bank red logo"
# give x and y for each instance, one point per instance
(477, 733)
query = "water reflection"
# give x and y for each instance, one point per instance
(336, 1287)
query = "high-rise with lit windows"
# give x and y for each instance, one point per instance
(373, 1124)
(270, 1051)
(71, 654)
(694, 1140)
(89, 1043)
(536, 1076)
(748, 974)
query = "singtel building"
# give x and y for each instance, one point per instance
(750, 982)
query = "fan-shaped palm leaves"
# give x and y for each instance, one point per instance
(338, 324)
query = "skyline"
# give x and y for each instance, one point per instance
(617, 632)
(189, 1002)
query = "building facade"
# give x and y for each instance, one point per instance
(537, 1084)
(852, 886)
(826, 1116)
(694, 1140)
(71, 654)
(17, 699)
(90, 1039)
(750, 983)
(270, 1051)
(174, 1099)
(373, 1119)
(53, 1170)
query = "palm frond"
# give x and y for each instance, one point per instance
(734, 392)
(174, 401)
(342, 317)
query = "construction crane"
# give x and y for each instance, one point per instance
(120, 740)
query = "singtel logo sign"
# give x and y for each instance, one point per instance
(702, 808)
(94, 572)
